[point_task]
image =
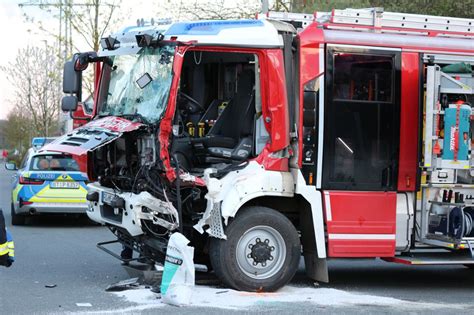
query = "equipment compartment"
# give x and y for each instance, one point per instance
(446, 203)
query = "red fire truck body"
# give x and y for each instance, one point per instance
(270, 142)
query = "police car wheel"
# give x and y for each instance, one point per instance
(261, 253)
(17, 219)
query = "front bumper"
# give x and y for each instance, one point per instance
(53, 207)
(132, 210)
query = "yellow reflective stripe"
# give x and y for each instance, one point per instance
(4, 249)
(54, 195)
(11, 249)
(56, 200)
(16, 191)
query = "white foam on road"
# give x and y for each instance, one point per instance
(205, 296)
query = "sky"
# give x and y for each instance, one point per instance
(10, 19)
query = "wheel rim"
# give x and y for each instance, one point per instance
(261, 252)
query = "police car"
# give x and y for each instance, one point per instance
(47, 182)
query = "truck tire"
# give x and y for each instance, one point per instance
(261, 253)
(17, 219)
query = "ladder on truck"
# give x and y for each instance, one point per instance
(376, 19)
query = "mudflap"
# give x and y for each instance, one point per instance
(316, 268)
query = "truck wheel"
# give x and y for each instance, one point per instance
(261, 253)
(16, 218)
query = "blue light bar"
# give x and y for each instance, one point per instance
(39, 142)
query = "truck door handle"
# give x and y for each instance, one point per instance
(387, 176)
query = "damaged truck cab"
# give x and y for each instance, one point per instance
(192, 133)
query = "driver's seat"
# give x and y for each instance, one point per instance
(231, 135)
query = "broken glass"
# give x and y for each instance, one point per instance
(139, 85)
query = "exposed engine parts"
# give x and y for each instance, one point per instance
(155, 210)
(132, 191)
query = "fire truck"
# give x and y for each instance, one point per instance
(344, 134)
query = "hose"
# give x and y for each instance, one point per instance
(178, 194)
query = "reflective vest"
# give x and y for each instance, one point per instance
(11, 247)
(7, 247)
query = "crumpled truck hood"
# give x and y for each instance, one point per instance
(92, 135)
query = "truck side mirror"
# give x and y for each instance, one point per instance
(69, 103)
(72, 79)
(81, 61)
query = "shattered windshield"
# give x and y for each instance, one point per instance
(138, 85)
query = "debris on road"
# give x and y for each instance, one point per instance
(147, 274)
(84, 304)
(50, 286)
(123, 285)
(205, 296)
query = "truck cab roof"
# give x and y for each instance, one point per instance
(241, 33)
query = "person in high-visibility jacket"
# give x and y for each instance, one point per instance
(7, 247)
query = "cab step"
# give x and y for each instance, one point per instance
(433, 258)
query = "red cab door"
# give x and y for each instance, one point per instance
(361, 149)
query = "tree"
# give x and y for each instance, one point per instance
(211, 10)
(90, 20)
(462, 9)
(17, 129)
(86, 21)
(35, 76)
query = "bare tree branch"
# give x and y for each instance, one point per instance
(34, 77)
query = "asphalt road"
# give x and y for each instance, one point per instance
(61, 251)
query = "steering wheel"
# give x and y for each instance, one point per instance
(192, 100)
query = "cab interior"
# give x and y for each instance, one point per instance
(218, 117)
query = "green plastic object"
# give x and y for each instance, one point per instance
(461, 67)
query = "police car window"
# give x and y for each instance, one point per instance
(54, 163)
(23, 162)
